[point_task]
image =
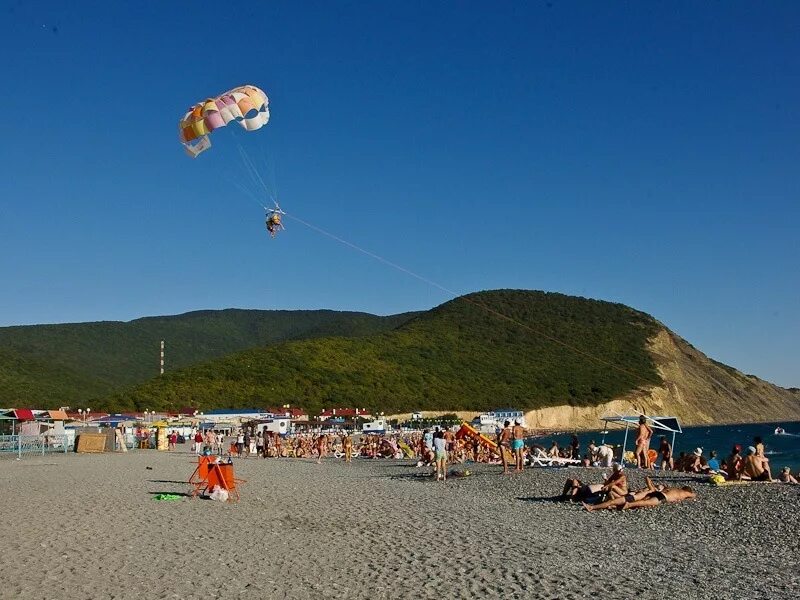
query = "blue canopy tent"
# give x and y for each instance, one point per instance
(114, 420)
(669, 424)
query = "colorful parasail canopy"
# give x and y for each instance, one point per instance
(247, 105)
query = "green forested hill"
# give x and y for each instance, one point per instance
(52, 365)
(476, 352)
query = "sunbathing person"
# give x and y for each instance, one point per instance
(554, 450)
(786, 476)
(755, 467)
(617, 483)
(618, 503)
(657, 497)
(732, 465)
(575, 489)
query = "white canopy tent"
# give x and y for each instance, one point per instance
(669, 424)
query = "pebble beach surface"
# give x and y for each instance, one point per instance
(87, 526)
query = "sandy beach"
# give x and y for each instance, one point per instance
(87, 526)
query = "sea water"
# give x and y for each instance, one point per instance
(782, 450)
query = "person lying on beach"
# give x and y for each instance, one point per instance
(576, 490)
(618, 503)
(615, 486)
(755, 467)
(671, 495)
(786, 476)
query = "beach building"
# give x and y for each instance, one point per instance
(235, 414)
(344, 413)
(294, 413)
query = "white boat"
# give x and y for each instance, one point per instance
(493, 421)
(780, 431)
(378, 426)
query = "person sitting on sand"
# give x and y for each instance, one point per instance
(786, 476)
(694, 463)
(630, 497)
(553, 452)
(616, 485)
(755, 467)
(591, 452)
(713, 462)
(643, 434)
(665, 449)
(654, 498)
(758, 444)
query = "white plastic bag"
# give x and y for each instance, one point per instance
(219, 494)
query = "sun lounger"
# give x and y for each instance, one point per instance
(541, 459)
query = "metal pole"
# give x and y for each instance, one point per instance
(624, 445)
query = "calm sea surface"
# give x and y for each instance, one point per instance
(782, 450)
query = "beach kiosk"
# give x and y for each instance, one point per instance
(668, 424)
(162, 435)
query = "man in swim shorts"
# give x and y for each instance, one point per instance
(630, 497)
(654, 498)
(755, 467)
(518, 445)
(450, 442)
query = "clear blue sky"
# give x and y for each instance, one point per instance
(645, 153)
